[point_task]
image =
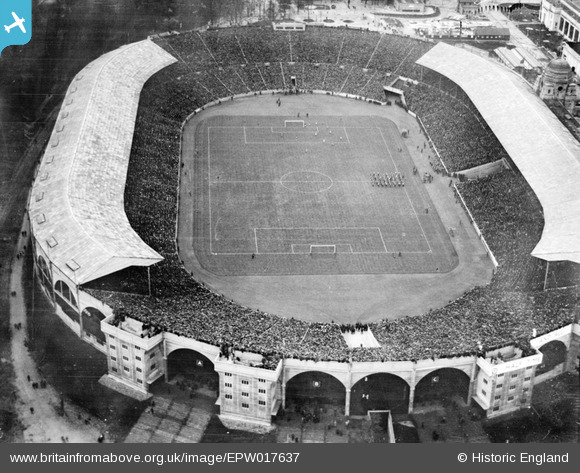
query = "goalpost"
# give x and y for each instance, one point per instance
(322, 250)
(291, 123)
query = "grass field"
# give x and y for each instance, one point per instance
(286, 195)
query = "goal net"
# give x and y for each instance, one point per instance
(322, 250)
(294, 123)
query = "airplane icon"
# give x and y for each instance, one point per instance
(17, 22)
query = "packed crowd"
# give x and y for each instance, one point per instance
(503, 313)
(353, 328)
(461, 136)
(317, 45)
(510, 217)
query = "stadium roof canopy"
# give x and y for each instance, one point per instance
(541, 147)
(76, 206)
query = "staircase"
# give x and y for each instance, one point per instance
(170, 421)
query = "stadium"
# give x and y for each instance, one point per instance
(299, 218)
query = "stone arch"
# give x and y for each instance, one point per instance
(441, 386)
(91, 318)
(380, 391)
(44, 271)
(555, 353)
(66, 300)
(62, 289)
(312, 388)
(192, 370)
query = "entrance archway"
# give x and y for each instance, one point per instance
(380, 391)
(311, 389)
(441, 386)
(554, 354)
(91, 318)
(190, 369)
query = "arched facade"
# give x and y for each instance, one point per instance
(66, 300)
(441, 386)
(91, 323)
(192, 368)
(380, 391)
(555, 353)
(44, 272)
(315, 387)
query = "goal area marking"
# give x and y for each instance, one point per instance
(307, 249)
(293, 123)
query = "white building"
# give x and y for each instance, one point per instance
(562, 16)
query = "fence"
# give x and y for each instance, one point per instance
(477, 230)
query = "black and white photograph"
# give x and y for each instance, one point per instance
(290, 222)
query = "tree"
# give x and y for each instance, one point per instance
(284, 6)
(271, 10)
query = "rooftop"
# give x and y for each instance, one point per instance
(545, 152)
(77, 203)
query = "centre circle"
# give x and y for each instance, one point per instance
(306, 182)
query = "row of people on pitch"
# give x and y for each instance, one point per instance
(394, 179)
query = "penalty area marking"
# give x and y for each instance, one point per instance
(314, 241)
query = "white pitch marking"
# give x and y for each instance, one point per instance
(405, 189)
(209, 190)
(256, 241)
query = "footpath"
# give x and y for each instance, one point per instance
(46, 417)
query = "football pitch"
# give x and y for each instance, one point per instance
(289, 195)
